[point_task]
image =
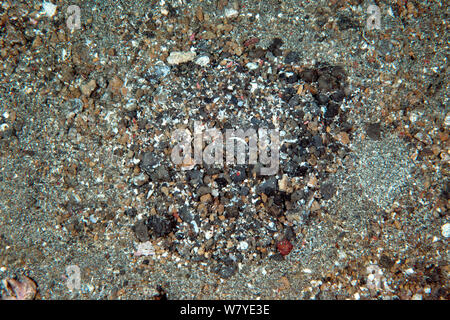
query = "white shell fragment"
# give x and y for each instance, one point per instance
(177, 57)
(145, 249)
(49, 8)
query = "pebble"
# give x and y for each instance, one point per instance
(252, 66)
(327, 190)
(343, 138)
(178, 57)
(292, 57)
(140, 179)
(145, 249)
(202, 61)
(88, 88)
(446, 230)
(148, 161)
(160, 226)
(243, 245)
(283, 183)
(49, 8)
(373, 131)
(447, 120)
(231, 13)
(115, 84)
(161, 70)
(141, 231)
(423, 137)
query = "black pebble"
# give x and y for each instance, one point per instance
(327, 190)
(131, 212)
(309, 75)
(373, 131)
(141, 231)
(160, 226)
(292, 57)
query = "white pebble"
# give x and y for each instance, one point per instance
(49, 8)
(243, 245)
(145, 249)
(447, 120)
(410, 271)
(202, 61)
(446, 230)
(252, 66)
(231, 13)
(209, 234)
(177, 57)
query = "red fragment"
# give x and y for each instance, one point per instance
(284, 247)
(250, 41)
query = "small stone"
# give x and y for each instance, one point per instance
(160, 226)
(386, 262)
(292, 57)
(161, 174)
(145, 249)
(199, 13)
(447, 120)
(315, 206)
(423, 137)
(202, 61)
(88, 88)
(238, 175)
(140, 179)
(309, 75)
(312, 183)
(206, 198)
(131, 212)
(148, 161)
(268, 187)
(252, 66)
(112, 52)
(327, 190)
(141, 231)
(115, 85)
(243, 245)
(231, 13)
(343, 138)
(373, 131)
(49, 8)
(177, 57)
(283, 183)
(37, 42)
(446, 230)
(274, 47)
(284, 247)
(208, 35)
(160, 70)
(185, 214)
(23, 289)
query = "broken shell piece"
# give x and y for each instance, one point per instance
(145, 249)
(26, 289)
